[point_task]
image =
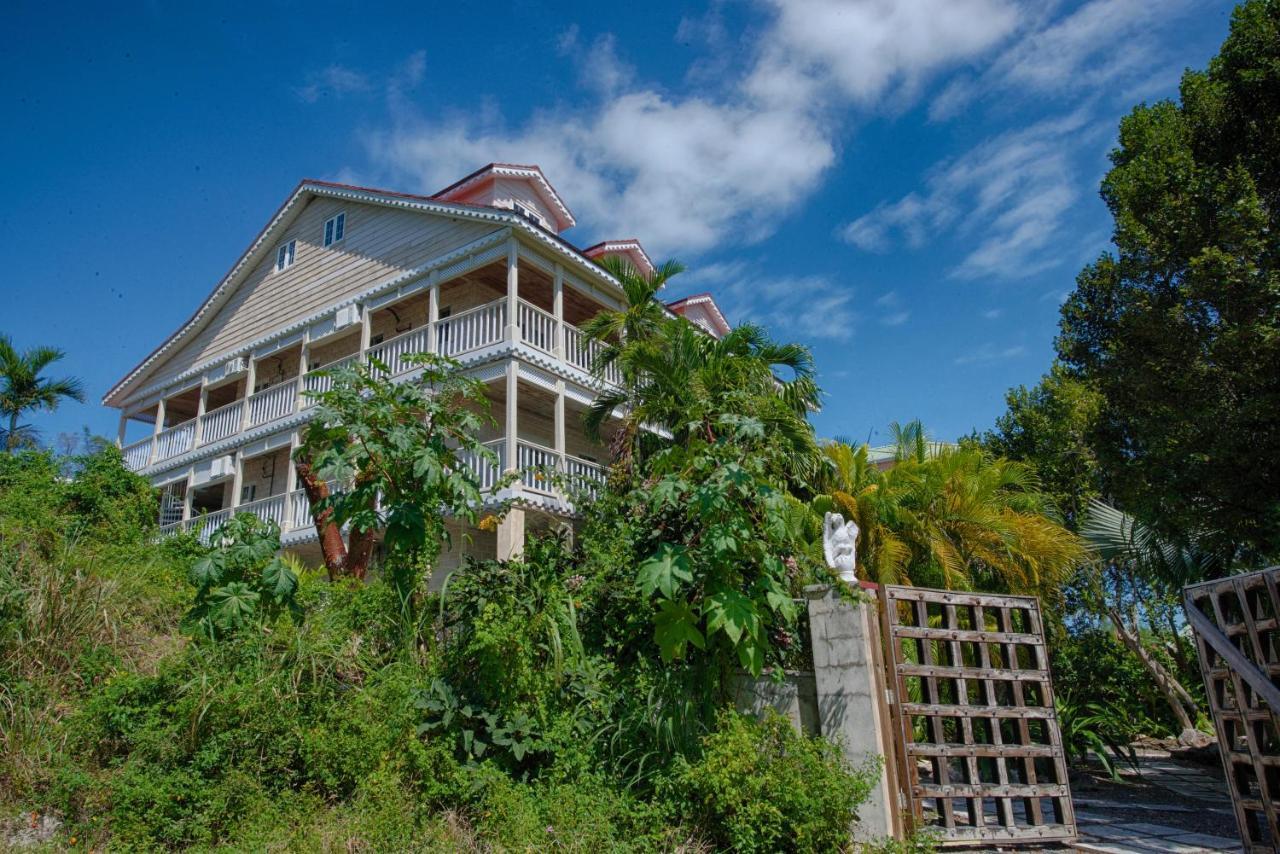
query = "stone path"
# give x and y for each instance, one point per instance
(1109, 828)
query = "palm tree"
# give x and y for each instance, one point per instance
(676, 378)
(23, 389)
(1134, 560)
(953, 517)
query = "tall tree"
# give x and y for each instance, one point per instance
(23, 388)
(403, 455)
(1048, 427)
(1179, 329)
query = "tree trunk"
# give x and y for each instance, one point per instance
(1176, 696)
(333, 549)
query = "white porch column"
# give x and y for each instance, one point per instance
(433, 313)
(513, 293)
(237, 479)
(559, 422)
(304, 356)
(124, 423)
(187, 494)
(510, 535)
(366, 329)
(512, 421)
(291, 485)
(250, 380)
(557, 308)
(201, 405)
(159, 428)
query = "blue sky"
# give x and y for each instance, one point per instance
(910, 188)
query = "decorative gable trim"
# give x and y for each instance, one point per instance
(532, 174)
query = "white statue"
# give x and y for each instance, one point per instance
(840, 546)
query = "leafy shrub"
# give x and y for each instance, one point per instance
(762, 786)
(241, 579)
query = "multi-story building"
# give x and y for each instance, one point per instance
(478, 272)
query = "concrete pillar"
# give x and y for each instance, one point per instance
(513, 293)
(511, 535)
(852, 700)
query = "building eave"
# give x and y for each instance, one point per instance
(312, 188)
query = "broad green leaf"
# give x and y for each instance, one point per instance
(676, 626)
(664, 571)
(278, 580)
(232, 606)
(731, 612)
(751, 656)
(207, 571)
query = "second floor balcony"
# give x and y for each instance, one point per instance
(200, 417)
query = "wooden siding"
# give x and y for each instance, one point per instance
(378, 244)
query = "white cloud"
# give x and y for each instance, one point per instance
(1006, 197)
(799, 308)
(1102, 45)
(989, 353)
(893, 312)
(993, 314)
(724, 162)
(334, 80)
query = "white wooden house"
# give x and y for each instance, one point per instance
(478, 272)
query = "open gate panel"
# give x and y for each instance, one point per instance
(1237, 628)
(983, 751)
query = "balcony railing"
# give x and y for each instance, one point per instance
(542, 470)
(176, 440)
(392, 353)
(538, 328)
(581, 352)
(321, 379)
(137, 455)
(471, 330)
(273, 403)
(221, 422)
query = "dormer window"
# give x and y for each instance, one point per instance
(529, 213)
(284, 255)
(334, 229)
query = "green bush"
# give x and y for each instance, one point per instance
(762, 786)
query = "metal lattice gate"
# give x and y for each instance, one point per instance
(1237, 628)
(983, 758)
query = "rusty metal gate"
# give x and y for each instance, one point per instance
(982, 754)
(1237, 628)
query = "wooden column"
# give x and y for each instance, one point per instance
(366, 330)
(201, 405)
(159, 427)
(557, 308)
(124, 423)
(187, 493)
(304, 353)
(237, 479)
(250, 379)
(559, 423)
(512, 419)
(433, 313)
(513, 293)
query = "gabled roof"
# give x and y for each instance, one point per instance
(311, 188)
(629, 247)
(705, 301)
(531, 174)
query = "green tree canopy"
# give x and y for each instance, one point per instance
(1179, 329)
